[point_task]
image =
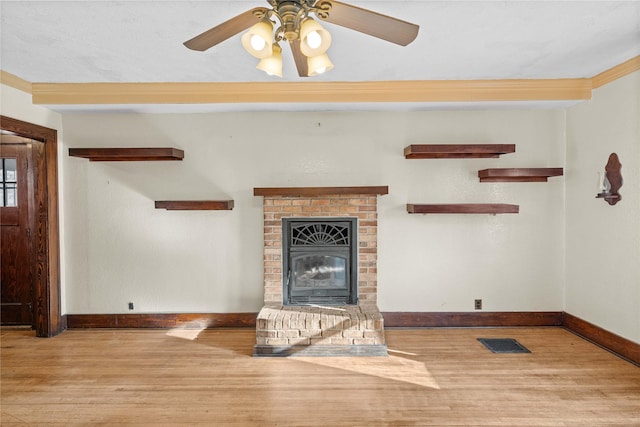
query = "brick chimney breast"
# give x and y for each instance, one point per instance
(314, 329)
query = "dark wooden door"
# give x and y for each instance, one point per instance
(16, 293)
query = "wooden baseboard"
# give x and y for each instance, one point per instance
(243, 320)
(162, 320)
(63, 322)
(623, 347)
(471, 319)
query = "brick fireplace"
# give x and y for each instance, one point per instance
(320, 329)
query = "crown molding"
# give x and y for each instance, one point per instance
(15, 82)
(617, 72)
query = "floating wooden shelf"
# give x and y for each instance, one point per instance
(518, 174)
(457, 151)
(127, 154)
(463, 208)
(318, 191)
(195, 205)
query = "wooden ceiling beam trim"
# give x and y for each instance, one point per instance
(15, 82)
(617, 72)
(340, 92)
(308, 92)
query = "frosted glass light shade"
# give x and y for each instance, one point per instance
(318, 64)
(314, 40)
(602, 177)
(259, 39)
(272, 65)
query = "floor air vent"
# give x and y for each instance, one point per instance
(503, 345)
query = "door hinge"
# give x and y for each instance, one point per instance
(28, 232)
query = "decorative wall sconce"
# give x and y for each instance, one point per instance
(610, 181)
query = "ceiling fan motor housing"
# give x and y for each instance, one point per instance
(289, 12)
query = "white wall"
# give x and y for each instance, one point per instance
(120, 249)
(603, 242)
(116, 248)
(17, 104)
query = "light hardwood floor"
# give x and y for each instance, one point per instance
(441, 377)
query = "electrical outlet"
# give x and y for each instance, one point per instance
(130, 306)
(478, 304)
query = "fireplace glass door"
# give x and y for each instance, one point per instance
(319, 275)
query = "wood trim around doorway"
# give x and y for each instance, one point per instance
(46, 235)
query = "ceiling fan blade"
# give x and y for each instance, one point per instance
(298, 56)
(225, 30)
(366, 21)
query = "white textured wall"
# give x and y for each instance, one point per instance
(120, 249)
(116, 248)
(17, 104)
(603, 242)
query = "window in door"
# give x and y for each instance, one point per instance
(9, 185)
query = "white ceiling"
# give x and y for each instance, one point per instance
(141, 41)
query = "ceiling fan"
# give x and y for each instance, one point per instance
(308, 40)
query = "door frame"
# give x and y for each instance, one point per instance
(45, 235)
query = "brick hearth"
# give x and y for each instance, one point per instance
(313, 330)
(322, 331)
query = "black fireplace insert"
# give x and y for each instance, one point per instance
(320, 261)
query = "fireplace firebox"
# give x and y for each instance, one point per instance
(320, 261)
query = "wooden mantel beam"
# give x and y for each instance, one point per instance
(319, 191)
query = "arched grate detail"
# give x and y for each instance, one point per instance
(320, 234)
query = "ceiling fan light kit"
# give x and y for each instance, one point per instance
(313, 38)
(309, 41)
